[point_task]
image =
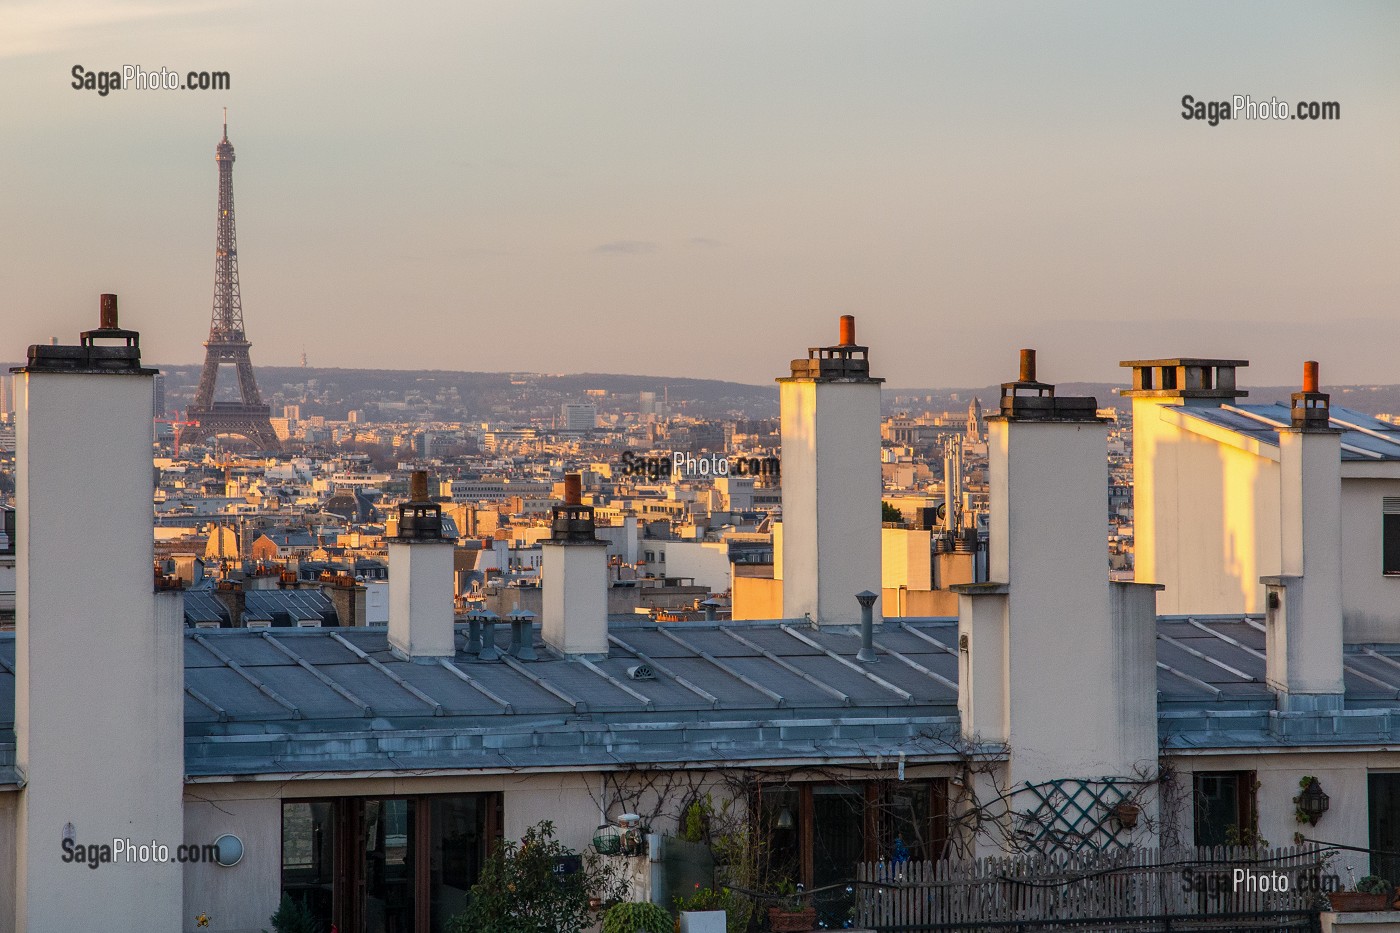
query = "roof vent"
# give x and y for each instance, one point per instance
(641, 672)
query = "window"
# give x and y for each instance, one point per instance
(1224, 807)
(817, 832)
(392, 865)
(1383, 799)
(1390, 535)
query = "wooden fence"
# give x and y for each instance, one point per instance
(1132, 883)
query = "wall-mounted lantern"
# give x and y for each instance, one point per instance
(1311, 801)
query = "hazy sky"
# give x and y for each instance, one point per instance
(701, 188)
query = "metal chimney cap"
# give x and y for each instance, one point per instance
(522, 615)
(107, 312)
(867, 598)
(418, 486)
(1310, 376)
(847, 331)
(1027, 366)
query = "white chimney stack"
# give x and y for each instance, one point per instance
(830, 408)
(1303, 604)
(99, 673)
(574, 574)
(1049, 633)
(421, 590)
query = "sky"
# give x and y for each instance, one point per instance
(701, 188)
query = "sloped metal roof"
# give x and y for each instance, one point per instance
(291, 700)
(262, 605)
(1364, 437)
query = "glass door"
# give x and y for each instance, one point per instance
(389, 837)
(308, 856)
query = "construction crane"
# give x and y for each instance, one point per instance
(177, 423)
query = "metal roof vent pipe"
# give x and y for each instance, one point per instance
(489, 651)
(711, 608)
(867, 626)
(474, 632)
(522, 635)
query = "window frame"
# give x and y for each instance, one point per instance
(1390, 536)
(348, 871)
(1246, 803)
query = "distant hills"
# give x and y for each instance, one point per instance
(1371, 400)
(504, 395)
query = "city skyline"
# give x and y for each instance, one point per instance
(680, 189)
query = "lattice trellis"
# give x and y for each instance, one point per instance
(1070, 816)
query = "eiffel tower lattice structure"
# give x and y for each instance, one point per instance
(228, 342)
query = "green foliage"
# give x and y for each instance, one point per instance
(1374, 884)
(790, 895)
(1299, 813)
(707, 899)
(737, 908)
(293, 917)
(520, 890)
(889, 513)
(1246, 836)
(742, 854)
(695, 821)
(633, 917)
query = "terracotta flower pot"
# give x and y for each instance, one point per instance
(1348, 901)
(792, 921)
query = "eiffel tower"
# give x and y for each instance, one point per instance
(228, 343)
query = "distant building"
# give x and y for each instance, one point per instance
(466, 490)
(282, 427)
(579, 416)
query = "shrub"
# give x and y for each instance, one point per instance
(737, 909)
(635, 917)
(293, 917)
(524, 887)
(695, 821)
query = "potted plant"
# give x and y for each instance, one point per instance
(705, 911)
(1370, 893)
(637, 917)
(790, 915)
(1127, 813)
